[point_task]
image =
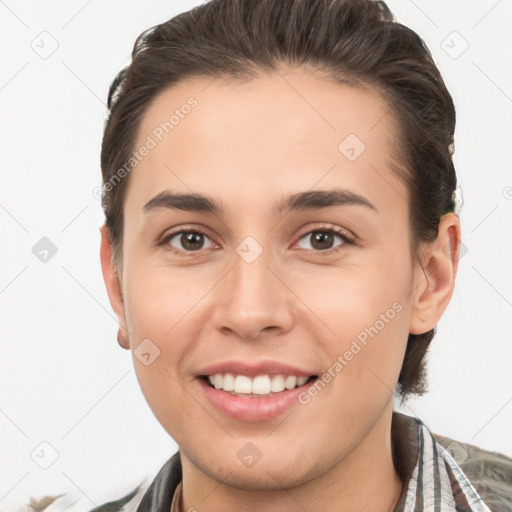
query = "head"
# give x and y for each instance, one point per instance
(249, 104)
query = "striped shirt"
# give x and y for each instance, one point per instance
(436, 482)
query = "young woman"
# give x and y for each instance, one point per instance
(280, 243)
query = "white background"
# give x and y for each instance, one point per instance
(65, 380)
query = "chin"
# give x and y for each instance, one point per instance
(261, 477)
(274, 470)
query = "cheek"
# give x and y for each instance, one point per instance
(158, 326)
(157, 300)
(164, 394)
(360, 295)
(162, 307)
(364, 312)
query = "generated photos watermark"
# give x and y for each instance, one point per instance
(357, 345)
(151, 142)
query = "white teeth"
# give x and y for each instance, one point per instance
(229, 382)
(217, 382)
(301, 381)
(243, 384)
(260, 385)
(277, 384)
(290, 382)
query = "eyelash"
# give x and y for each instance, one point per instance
(185, 254)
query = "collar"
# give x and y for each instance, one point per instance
(431, 478)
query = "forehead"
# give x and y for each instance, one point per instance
(289, 130)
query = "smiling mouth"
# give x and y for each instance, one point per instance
(258, 387)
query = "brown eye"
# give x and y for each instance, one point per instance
(187, 241)
(324, 239)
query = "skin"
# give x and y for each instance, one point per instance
(248, 146)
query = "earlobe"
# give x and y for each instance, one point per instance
(113, 285)
(122, 338)
(435, 278)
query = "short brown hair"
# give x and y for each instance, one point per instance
(352, 41)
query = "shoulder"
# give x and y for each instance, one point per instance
(489, 472)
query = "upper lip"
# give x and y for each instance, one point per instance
(253, 369)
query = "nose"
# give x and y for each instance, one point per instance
(253, 299)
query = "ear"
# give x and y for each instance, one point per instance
(112, 282)
(434, 282)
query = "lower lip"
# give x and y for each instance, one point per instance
(251, 408)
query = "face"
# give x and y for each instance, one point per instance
(317, 288)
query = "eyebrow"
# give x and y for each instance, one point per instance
(301, 201)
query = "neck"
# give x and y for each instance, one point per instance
(364, 480)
